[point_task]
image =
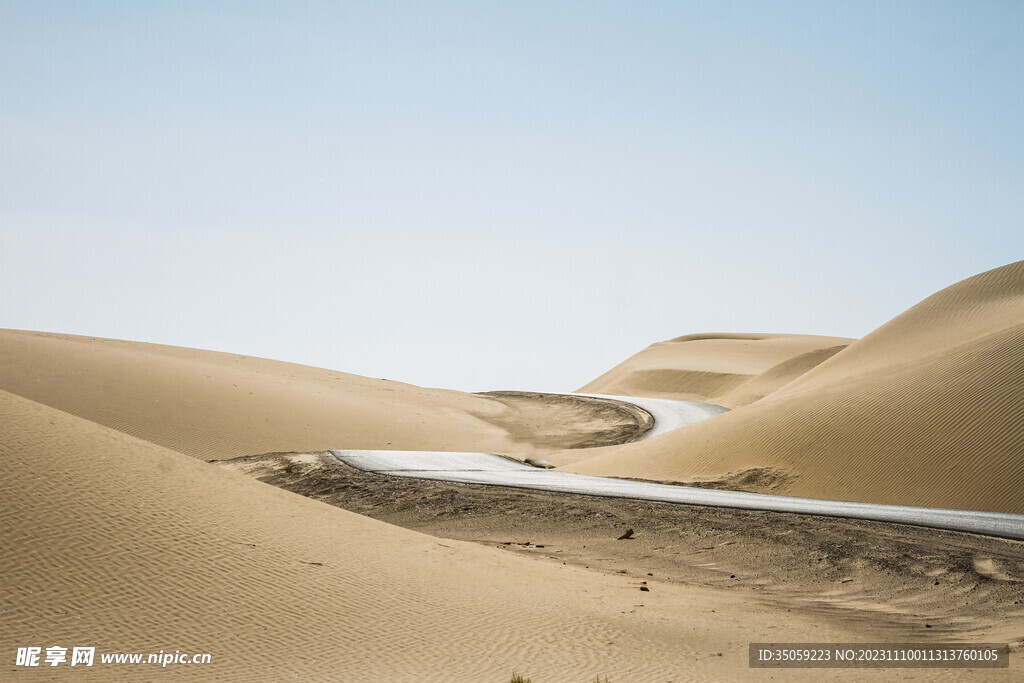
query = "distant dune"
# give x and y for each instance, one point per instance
(926, 410)
(727, 369)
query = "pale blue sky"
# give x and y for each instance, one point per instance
(499, 195)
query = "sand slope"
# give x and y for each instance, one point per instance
(926, 410)
(217, 405)
(726, 369)
(118, 543)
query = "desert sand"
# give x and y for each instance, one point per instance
(155, 498)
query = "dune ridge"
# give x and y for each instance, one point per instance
(926, 410)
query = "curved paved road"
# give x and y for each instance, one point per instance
(667, 414)
(485, 468)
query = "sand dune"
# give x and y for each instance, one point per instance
(217, 405)
(926, 410)
(727, 369)
(114, 542)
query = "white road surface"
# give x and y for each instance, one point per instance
(485, 468)
(667, 414)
